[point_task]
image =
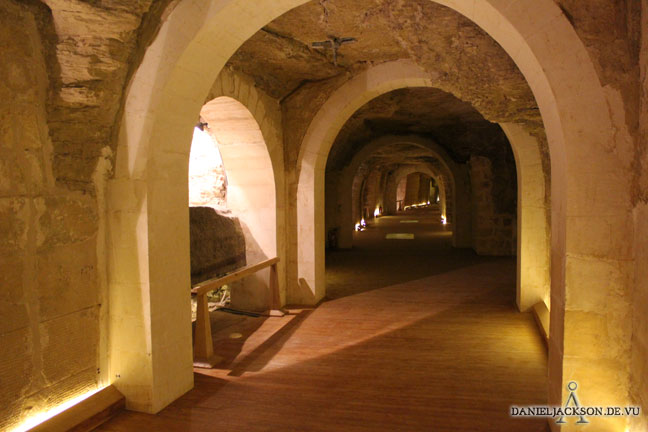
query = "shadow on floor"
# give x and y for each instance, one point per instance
(415, 337)
(261, 355)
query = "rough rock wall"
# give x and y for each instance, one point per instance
(639, 371)
(49, 290)
(611, 32)
(401, 189)
(333, 212)
(494, 232)
(357, 188)
(639, 366)
(373, 192)
(424, 190)
(412, 189)
(641, 164)
(93, 54)
(217, 243)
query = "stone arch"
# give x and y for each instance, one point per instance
(395, 178)
(548, 65)
(533, 221)
(451, 170)
(367, 196)
(251, 192)
(322, 132)
(165, 96)
(265, 113)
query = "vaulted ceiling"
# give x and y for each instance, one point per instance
(459, 56)
(476, 84)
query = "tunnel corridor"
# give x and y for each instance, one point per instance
(414, 336)
(417, 213)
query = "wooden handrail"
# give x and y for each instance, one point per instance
(212, 284)
(203, 345)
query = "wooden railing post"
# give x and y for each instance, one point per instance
(203, 346)
(275, 300)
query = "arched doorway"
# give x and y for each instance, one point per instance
(454, 177)
(245, 192)
(396, 192)
(184, 61)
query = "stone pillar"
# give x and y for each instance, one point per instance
(533, 229)
(462, 214)
(493, 233)
(412, 189)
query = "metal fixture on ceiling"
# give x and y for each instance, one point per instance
(334, 43)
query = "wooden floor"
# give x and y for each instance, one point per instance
(416, 336)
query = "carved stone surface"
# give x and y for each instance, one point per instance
(217, 243)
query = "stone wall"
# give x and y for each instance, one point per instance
(412, 189)
(494, 232)
(261, 214)
(639, 367)
(356, 192)
(50, 300)
(373, 192)
(424, 189)
(333, 216)
(401, 190)
(217, 243)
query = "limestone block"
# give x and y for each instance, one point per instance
(227, 79)
(606, 236)
(600, 383)
(639, 366)
(17, 74)
(67, 278)
(14, 214)
(217, 243)
(252, 100)
(12, 414)
(69, 344)
(12, 303)
(586, 334)
(65, 219)
(71, 387)
(16, 365)
(592, 282)
(21, 165)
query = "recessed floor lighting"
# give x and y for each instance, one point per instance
(400, 236)
(409, 221)
(235, 335)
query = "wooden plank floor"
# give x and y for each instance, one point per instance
(417, 336)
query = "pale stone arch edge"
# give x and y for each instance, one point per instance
(559, 71)
(169, 87)
(311, 164)
(349, 172)
(395, 178)
(267, 113)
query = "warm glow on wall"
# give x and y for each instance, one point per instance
(204, 151)
(50, 412)
(377, 212)
(205, 162)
